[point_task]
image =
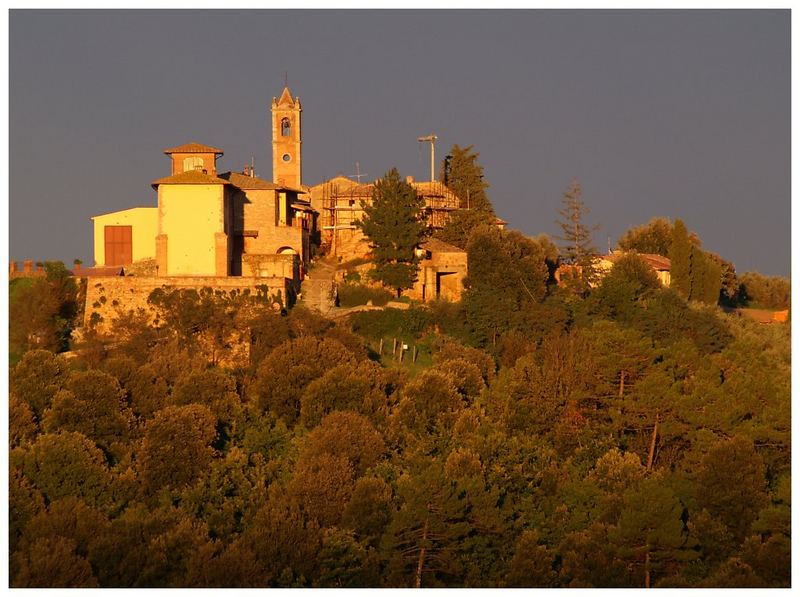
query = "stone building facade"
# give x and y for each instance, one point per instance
(208, 223)
(338, 201)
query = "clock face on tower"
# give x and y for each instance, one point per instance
(286, 157)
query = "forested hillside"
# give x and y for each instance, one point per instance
(531, 436)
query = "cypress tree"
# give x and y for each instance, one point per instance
(706, 277)
(680, 255)
(394, 226)
(464, 176)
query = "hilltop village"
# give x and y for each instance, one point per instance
(238, 230)
(195, 409)
(235, 230)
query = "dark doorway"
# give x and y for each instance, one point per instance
(236, 258)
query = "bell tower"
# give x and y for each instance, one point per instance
(286, 156)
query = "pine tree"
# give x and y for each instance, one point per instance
(680, 255)
(394, 227)
(464, 176)
(577, 248)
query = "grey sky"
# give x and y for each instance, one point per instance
(675, 113)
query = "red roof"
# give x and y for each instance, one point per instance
(108, 270)
(189, 177)
(193, 147)
(657, 262)
(286, 98)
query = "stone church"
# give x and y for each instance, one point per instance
(210, 223)
(235, 224)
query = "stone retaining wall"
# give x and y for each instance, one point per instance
(112, 296)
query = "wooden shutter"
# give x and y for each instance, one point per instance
(119, 245)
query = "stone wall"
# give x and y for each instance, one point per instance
(272, 266)
(29, 270)
(107, 298)
(440, 277)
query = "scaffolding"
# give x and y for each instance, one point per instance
(341, 203)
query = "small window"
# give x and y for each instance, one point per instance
(192, 163)
(286, 127)
(286, 157)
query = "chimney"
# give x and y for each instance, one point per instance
(409, 179)
(246, 170)
(12, 267)
(27, 266)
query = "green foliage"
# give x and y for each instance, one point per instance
(405, 325)
(731, 484)
(680, 255)
(655, 237)
(694, 274)
(93, 404)
(393, 224)
(51, 562)
(623, 289)
(177, 447)
(348, 435)
(368, 511)
(461, 172)
(214, 389)
(507, 276)
(285, 542)
(67, 464)
(284, 374)
(42, 311)
(577, 248)
(532, 564)
(464, 176)
(617, 439)
(351, 295)
(37, 378)
(770, 292)
(363, 388)
(462, 223)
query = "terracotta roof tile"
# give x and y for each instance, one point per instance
(249, 182)
(193, 147)
(657, 262)
(189, 177)
(286, 98)
(439, 246)
(108, 270)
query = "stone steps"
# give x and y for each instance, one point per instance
(317, 290)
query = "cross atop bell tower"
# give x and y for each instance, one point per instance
(286, 156)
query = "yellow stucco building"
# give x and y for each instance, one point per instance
(219, 224)
(122, 237)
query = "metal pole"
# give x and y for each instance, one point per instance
(433, 161)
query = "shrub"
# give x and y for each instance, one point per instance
(405, 325)
(351, 295)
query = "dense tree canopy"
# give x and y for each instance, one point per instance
(620, 437)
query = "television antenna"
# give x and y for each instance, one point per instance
(358, 173)
(432, 138)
